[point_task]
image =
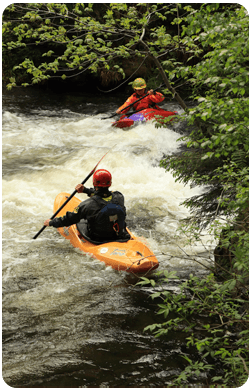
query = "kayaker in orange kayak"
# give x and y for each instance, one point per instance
(104, 211)
(139, 85)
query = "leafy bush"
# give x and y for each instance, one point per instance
(216, 158)
(218, 146)
(214, 319)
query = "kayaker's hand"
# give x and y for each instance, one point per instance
(151, 92)
(118, 111)
(46, 223)
(79, 188)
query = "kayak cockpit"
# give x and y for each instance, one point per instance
(83, 230)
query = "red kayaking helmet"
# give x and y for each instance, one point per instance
(102, 178)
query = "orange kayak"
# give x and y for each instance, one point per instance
(131, 256)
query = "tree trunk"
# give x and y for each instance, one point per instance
(168, 85)
(165, 79)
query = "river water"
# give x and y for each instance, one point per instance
(68, 320)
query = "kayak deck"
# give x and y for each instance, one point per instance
(142, 116)
(131, 256)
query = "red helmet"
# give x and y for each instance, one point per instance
(102, 178)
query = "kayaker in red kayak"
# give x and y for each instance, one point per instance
(139, 85)
(104, 211)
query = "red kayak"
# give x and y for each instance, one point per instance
(142, 116)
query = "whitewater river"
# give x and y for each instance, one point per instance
(68, 320)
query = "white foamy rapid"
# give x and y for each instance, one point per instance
(46, 155)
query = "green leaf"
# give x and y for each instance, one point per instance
(144, 281)
(152, 281)
(231, 284)
(155, 295)
(151, 327)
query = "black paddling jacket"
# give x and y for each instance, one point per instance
(88, 209)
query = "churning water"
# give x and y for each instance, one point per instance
(69, 321)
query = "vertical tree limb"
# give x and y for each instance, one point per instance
(163, 74)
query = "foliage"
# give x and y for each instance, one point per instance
(218, 146)
(78, 37)
(214, 318)
(216, 157)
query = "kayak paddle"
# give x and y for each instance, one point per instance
(70, 197)
(130, 105)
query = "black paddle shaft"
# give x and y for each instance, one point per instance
(130, 105)
(60, 208)
(68, 199)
